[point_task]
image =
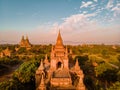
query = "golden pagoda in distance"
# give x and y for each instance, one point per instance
(57, 74)
(25, 42)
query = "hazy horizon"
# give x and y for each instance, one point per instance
(80, 21)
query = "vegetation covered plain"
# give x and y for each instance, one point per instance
(100, 64)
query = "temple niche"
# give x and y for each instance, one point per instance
(57, 74)
(25, 42)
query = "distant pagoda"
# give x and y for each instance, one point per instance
(25, 42)
(6, 52)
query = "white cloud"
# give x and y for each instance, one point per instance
(100, 9)
(78, 28)
(110, 4)
(86, 4)
(55, 27)
(116, 9)
(95, 0)
(93, 6)
(75, 23)
(91, 15)
(75, 28)
(84, 12)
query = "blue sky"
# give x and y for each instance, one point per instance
(80, 21)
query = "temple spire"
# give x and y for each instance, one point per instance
(52, 49)
(46, 57)
(70, 51)
(42, 84)
(59, 39)
(46, 62)
(77, 67)
(27, 40)
(41, 67)
(26, 37)
(23, 38)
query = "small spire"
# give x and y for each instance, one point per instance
(27, 40)
(77, 67)
(46, 57)
(42, 80)
(46, 60)
(52, 49)
(23, 38)
(42, 84)
(70, 51)
(80, 85)
(26, 37)
(41, 67)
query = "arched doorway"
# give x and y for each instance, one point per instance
(59, 65)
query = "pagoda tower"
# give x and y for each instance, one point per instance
(22, 41)
(59, 56)
(25, 42)
(39, 73)
(80, 75)
(59, 64)
(57, 73)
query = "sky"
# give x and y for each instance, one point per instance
(79, 21)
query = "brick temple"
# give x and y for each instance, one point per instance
(57, 74)
(25, 42)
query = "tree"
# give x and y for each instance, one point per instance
(26, 72)
(22, 50)
(118, 57)
(115, 86)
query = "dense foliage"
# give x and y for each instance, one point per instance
(100, 64)
(23, 78)
(26, 72)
